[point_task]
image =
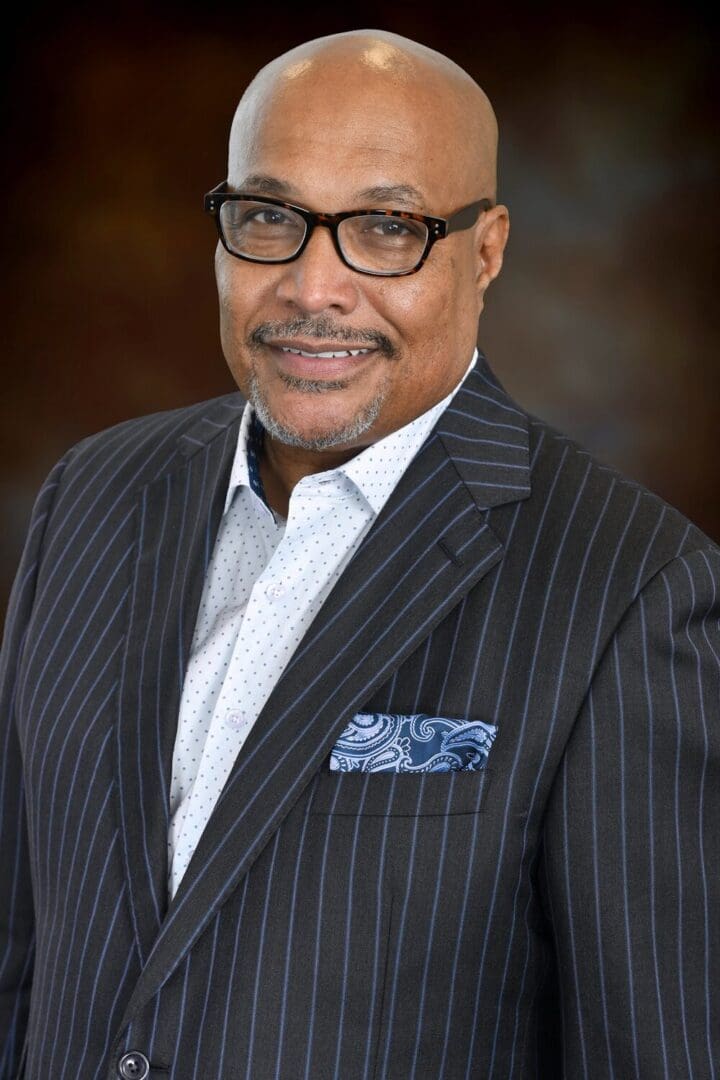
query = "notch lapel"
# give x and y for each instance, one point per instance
(177, 517)
(431, 543)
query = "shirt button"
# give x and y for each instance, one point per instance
(133, 1066)
(275, 589)
(236, 719)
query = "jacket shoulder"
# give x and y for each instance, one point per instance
(165, 423)
(611, 507)
(148, 445)
(98, 475)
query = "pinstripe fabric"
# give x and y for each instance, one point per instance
(554, 915)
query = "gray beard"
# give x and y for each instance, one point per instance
(337, 437)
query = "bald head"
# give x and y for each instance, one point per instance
(382, 75)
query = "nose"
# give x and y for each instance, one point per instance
(319, 280)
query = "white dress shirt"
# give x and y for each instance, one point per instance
(266, 581)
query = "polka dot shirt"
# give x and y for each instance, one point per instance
(267, 579)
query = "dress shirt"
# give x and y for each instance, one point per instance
(266, 581)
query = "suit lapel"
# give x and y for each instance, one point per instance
(177, 516)
(431, 543)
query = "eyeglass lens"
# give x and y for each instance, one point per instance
(374, 242)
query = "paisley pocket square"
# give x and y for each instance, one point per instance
(392, 742)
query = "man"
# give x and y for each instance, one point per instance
(367, 729)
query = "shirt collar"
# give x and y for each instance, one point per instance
(375, 471)
(240, 472)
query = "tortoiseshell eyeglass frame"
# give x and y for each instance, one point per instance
(438, 228)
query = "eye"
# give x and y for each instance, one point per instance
(391, 228)
(394, 231)
(267, 215)
(253, 217)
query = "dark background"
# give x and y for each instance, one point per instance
(604, 320)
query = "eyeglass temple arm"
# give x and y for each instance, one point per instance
(467, 216)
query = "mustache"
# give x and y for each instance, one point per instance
(322, 330)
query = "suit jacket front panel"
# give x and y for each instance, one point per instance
(66, 721)
(341, 921)
(78, 645)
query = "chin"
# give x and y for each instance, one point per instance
(319, 433)
(313, 436)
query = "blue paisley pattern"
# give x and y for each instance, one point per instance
(390, 742)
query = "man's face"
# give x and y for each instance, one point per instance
(325, 143)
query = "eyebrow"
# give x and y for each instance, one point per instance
(378, 195)
(263, 185)
(397, 193)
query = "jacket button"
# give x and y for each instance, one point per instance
(133, 1066)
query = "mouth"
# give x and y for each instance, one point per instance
(318, 360)
(324, 354)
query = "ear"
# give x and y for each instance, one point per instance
(491, 238)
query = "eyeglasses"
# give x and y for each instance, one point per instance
(389, 243)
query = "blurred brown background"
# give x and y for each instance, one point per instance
(604, 320)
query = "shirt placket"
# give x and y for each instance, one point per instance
(288, 579)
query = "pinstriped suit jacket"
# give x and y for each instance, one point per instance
(555, 915)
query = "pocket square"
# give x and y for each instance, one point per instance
(392, 742)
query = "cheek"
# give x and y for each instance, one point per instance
(227, 291)
(236, 302)
(413, 302)
(436, 314)
(240, 296)
(427, 307)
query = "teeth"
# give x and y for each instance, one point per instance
(326, 355)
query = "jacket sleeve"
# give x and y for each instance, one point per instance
(630, 870)
(17, 923)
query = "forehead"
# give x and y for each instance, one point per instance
(329, 141)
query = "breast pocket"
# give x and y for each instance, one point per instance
(409, 795)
